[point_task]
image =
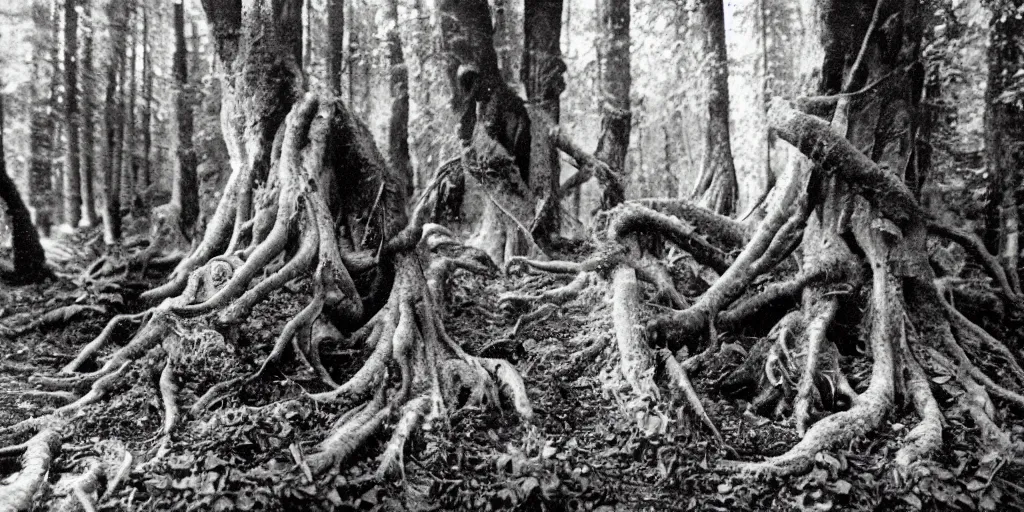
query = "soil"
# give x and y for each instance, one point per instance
(581, 451)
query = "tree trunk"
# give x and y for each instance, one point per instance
(505, 43)
(117, 14)
(716, 185)
(29, 258)
(1004, 138)
(614, 82)
(185, 186)
(495, 128)
(72, 171)
(147, 103)
(335, 44)
(398, 123)
(542, 72)
(87, 128)
(42, 123)
(543, 68)
(128, 159)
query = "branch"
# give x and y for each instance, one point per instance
(588, 165)
(838, 157)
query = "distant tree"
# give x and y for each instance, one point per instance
(716, 186)
(42, 125)
(335, 44)
(398, 123)
(72, 167)
(86, 130)
(117, 16)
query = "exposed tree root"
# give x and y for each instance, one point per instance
(35, 463)
(415, 372)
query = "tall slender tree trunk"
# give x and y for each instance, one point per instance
(398, 123)
(147, 103)
(504, 39)
(542, 72)
(128, 162)
(72, 171)
(335, 44)
(29, 257)
(87, 128)
(185, 187)
(42, 123)
(1004, 138)
(716, 184)
(117, 15)
(614, 82)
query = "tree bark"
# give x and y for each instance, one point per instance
(480, 96)
(42, 124)
(614, 82)
(117, 14)
(185, 186)
(398, 123)
(128, 155)
(542, 72)
(335, 44)
(147, 103)
(716, 186)
(29, 258)
(1004, 138)
(72, 171)
(87, 128)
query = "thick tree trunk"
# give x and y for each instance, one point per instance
(542, 55)
(29, 258)
(87, 128)
(185, 186)
(42, 123)
(72, 171)
(716, 185)
(335, 44)
(614, 83)
(398, 122)
(1004, 138)
(494, 126)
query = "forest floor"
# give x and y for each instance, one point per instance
(581, 451)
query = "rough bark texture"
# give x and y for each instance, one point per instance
(1004, 137)
(614, 82)
(29, 258)
(88, 127)
(117, 15)
(542, 72)
(41, 123)
(398, 122)
(185, 185)
(335, 43)
(716, 185)
(145, 171)
(72, 176)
